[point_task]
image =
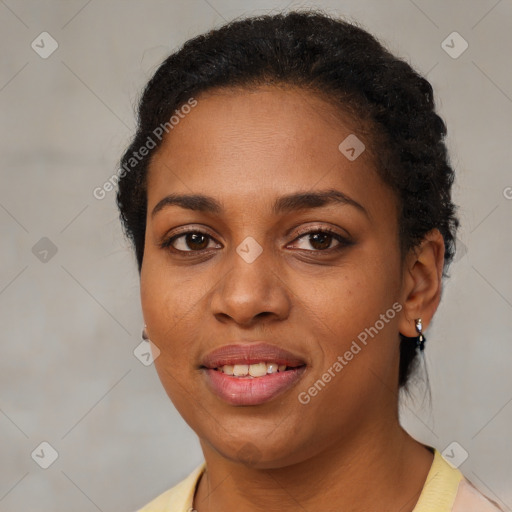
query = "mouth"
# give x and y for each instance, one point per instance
(251, 374)
(255, 370)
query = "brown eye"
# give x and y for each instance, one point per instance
(321, 240)
(190, 241)
(196, 241)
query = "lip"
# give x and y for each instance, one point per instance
(252, 353)
(251, 391)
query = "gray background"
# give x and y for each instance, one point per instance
(70, 323)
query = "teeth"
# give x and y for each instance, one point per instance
(272, 367)
(252, 370)
(258, 370)
(228, 369)
(240, 370)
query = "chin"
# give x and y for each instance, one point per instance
(265, 451)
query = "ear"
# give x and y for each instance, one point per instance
(422, 282)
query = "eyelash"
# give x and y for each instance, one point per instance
(343, 241)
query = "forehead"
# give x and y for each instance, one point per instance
(240, 143)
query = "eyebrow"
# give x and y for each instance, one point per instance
(283, 204)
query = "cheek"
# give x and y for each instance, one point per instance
(168, 308)
(163, 310)
(167, 294)
(350, 313)
(173, 302)
(351, 296)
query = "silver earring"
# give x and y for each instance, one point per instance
(145, 334)
(420, 339)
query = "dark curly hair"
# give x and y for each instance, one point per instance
(337, 60)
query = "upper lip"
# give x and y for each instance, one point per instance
(250, 353)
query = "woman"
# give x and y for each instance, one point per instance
(288, 196)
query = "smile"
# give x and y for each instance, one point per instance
(251, 373)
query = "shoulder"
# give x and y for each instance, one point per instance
(179, 498)
(446, 489)
(470, 499)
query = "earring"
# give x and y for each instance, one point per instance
(145, 334)
(420, 340)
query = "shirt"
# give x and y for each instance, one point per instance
(445, 490)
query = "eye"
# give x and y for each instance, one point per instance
(321, 240)
(188, 241)
(196, 241)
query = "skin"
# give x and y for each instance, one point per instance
(345, 449)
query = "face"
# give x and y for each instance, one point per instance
(260, 262)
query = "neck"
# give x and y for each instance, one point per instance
(379, 469)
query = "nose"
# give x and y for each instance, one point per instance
(250, 292)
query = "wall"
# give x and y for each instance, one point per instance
(71, 319)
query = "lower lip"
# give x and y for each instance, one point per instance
(255, 391)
